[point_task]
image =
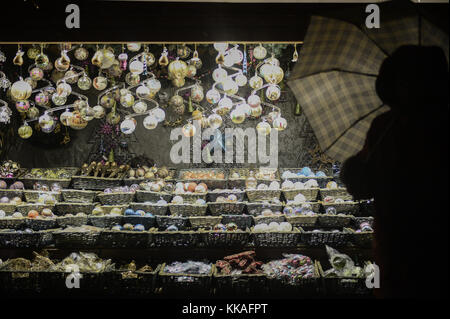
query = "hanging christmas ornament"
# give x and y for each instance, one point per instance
(5, 113)
(241, 79)
(295, 55)
(36, 74)
(113, 118)
(213, 96)
(76, 122)
(273, 74)
(63, 89)
(25, 131)
(33, 112)
(42, 60)
(123, 61)
(245, 108)
(254, 101)
(150, 122)
(195, 61)
(204, 122)
(41, 99)
(225, 102)
(149, 58)
(132, 79)
(18, 59)
(256, 111)
(229, 86)
(134, 47)
(279, 123)
(79, 104)
(107, 101)
(136, 67)
(31, 82)
(100, 83)
(65, 117)
(221, 46)
(84, 82)
(81, 54)
(197, 94)
(191, 71)
(188, 130)
(273, 92)
(99, 111)
(259, 52)
(237, 116)
(164, 60)
(177, 104)
(127, 100)
(178, 82)
(256, 82)
(128, 126)
(263, 128)
(71, 77)
(140, 107)
(58, 99)
(21, 90)
(219, 75)
(177, 69)
(22, 106)
(197, 115)
(272, 116)
(159, 114)
(87, 113)
(183, 51)
(56, 76)
(143, 91)
(215, 120)
(47, 123)
(33, 52)
(63, 62)
(154, 85)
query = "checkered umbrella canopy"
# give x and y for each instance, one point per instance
(334, 80)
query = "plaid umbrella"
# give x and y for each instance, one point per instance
(334, 80)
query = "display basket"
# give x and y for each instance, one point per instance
(339, 192)
(118, 198)
(322, 181)
(276, 239)
(124, 239)
(304, 287)
(13, 239)
(19, 281)
(40, 223)
(210, 182)
(146, 221)
(255, 209)
(335, 221)
(149, 196)
(95, 183)
(11, 193)
(268, 219)
(181, 238)
(242, 221)
(186, 210)
(136, 283)
(204, 222)
(170, 178)
(302, 220)
(29, 182)
(190, 197)
(350, 208)
(76, 239)
(326, 237)
(78, 196)
(8, 208)
(362, 239)
(155, 209)
(62, 209)
(240, 284)
(182, 223)
(239, 182)
(74, 221)
(212, 196)
(220, 208)
(258, 195)
(105, 221)
(310, 194)
(12, 223)
(108, 208)
(344, 286)
(236, 238)
(25, 208)
(32, 196)
(182, 282)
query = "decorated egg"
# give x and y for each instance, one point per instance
(287, 184)
(299, 198)
(33, 214)
(139, 227)
(172, 228)
(332, 184)
(220, 227)
(98, 211)
(100, 83)
(22, 106)
(2, 213)
(200, 201)
(330, 211)
(129, 212)
(17, 215)
(46, 212)
(177, 200)
(116, 211)
(299, 185)
(274, 185)
(128, 226)
(311, 183)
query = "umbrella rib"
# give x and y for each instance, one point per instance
(351, 126)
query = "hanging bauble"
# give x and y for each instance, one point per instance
(25, 131)
(273, 92)
(259, 52)
(163, 60)
(254, 101)
(33, 52)
(241, 79)
(42, 61)
(97, 58)
(140, 107)
(204, 122)
(134, 47)
(142, 91)
(128, 126)
(150, 122)
(279, 123)
(71, 77)
(256, 82)
(114, 71)
(178, 82)
(219, 75)
(222, 111)
(33, 112)
(132, 79)
(225, 102)
(176, 101)
(81, 54)
(41, 98)
(127, 100)
(113, 118)
(108, 58)
(191, 71)
(213, 96)
(220, 46)
(245, 108)
(22, 106)
(87, 113)
(256, 111)
(273, 60)
(183, 51)
(188, 130)
(59, 99)
(100, 83)
(79, 104)
(84, 82)
(195, 61)
(65, 117)
(178, 69)
(237, 116)
(63, 62)
(237, 55)
(76, 122)
(36, 74)
(154, 85)
(215, 120)
(123, 61)
(47, 123)
(56, 76)
(31, 82)
(21, 90)
(228, 60)
(229, 86)
(197, 94)
(63, 89)
(273, 74)
(159, 114)
(136, 67)
(99, 111)
(263, 128)
(149, 57)
(18, 59)
(272, 116)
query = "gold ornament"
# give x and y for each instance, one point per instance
(100, 83)
(188, 130)
(81, 54)
(25, 131)
(21, 90)
(113, 118)
(84, 82)
(42, 61)
(263, 128)
(178, 69)
(33, 52)
(18, 59)
(76, 122)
